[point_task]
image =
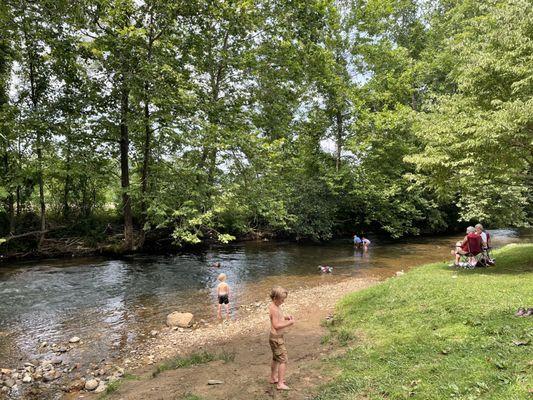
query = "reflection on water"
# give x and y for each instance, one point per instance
(113, 304)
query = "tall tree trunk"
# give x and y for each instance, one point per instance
(66, 190)
(146, 163)
(124, 167)
(209, 153)
(5, 70)
(85, 203)
(39, 151)
(41, 183)
(338, 140)
(10, 198)
(18, 201)
(11, 212)
(147, 141)
(19, 156)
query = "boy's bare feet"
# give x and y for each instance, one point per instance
(282, 386)
(273, 381)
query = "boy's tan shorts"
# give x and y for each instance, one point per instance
(279, 351)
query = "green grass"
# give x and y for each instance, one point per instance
(438, 333)
(115, 385)
(190, 397)
(203, 357)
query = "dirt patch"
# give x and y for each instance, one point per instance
(246, 377)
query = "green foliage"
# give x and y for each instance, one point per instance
(297, 119)
(437, 333)
(477, 139)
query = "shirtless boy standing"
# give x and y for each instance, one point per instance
(278, 325)
(223, 296)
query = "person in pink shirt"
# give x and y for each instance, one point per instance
(471, 244)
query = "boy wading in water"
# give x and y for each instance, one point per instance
(223, 296)
(278, 325)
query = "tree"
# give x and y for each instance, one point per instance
(477, 138)
(34, 77)
(6, 116)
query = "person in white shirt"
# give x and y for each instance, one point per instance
(480, 231)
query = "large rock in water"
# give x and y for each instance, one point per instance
(182, 320)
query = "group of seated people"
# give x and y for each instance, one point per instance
(474, 249)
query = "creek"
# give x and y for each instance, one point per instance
(112, 305)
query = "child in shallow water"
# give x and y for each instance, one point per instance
(223, 292)
(325, 269)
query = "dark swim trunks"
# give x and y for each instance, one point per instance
(223, 299)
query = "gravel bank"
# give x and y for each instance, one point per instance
(253, 319)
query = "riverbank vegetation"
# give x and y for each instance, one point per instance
(126, 124)
(203, 357)
(439, 333)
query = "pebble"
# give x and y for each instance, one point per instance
(9, 383)
(74, 339)
(101, 388)
(26, 378)
(76, 385)
(51, 376)
(214, 382)
(91, 384)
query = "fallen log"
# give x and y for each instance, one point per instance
(33, 233)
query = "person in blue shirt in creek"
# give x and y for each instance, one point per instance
(357, 240)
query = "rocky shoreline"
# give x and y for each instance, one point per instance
(36, 379)
(253, 319)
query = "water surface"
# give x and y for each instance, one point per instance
(113, 304)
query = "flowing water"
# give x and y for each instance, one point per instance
(113, 304)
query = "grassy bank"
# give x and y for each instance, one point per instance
(438, 333)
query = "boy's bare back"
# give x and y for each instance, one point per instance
(222, 289)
